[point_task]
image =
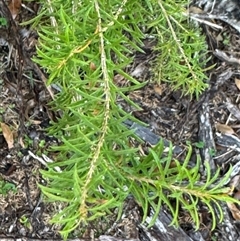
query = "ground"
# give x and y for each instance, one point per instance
(25, 113)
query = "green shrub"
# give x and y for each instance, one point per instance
(83, 45)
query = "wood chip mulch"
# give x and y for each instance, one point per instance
(213, 119)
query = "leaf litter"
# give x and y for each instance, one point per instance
(14, 7)
(8, 135)
(168, 114)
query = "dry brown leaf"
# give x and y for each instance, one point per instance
(8, 135)
(195, 10)
(225, 129)
(234, 210)
(158, 89)
(35, 122)
(14, 7)
(21, 142)
(237, 82)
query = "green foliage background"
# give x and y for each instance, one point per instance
(83, 45)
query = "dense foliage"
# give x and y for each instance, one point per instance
(83, 45)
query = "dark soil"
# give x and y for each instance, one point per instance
(24, 108)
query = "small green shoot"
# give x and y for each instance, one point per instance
(99, 167)
(25, 221)
(6, 187)
(3, 22)
(199, 144)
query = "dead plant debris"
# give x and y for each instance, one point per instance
(24, 113)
